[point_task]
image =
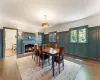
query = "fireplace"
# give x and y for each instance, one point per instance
(29, 47)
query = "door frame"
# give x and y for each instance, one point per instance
(4, 28)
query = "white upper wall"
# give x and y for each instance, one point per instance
(21, 26)
(91, 21)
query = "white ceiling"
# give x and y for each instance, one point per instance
(25, 13)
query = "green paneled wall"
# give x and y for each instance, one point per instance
(98, 44)
(93, 43)
(62, 41)
(42, 35)
(1, 43)
(46, 38)
(89, 50)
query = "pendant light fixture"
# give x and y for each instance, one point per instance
(45, 24)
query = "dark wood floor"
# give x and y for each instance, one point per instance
(9, 69)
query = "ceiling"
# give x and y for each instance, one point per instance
(25, 13)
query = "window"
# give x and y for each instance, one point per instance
(83, 35)
(79, 34)
(73, 36)
(52, 37)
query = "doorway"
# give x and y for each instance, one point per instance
(10, 42)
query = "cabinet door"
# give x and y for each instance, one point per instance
(1, 43)
(93, 43)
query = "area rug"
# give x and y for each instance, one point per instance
(30, 70)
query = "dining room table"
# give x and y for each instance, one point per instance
(52, 52)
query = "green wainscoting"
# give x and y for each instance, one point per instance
(63, 40)
(93, 43)
(46, 38)
(42, 35)
(1, 43)
(89, 50)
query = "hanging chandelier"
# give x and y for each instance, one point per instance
(45, 24)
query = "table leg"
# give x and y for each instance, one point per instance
(53, 64)
(32, 55)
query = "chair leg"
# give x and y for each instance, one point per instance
(56, 64)
(59, 67)
(63, 65)
(42, 63)
(32, 55)
(39, 61)
(49, 61)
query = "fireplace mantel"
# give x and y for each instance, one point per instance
(27, 41)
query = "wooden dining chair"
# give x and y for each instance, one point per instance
(55, 46)
(59, 58)
(48, 45)
(36, 52)
(43, 56)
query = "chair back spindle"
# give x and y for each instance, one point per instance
(55, 46)
(48, 45)
(40, 49)
(61, 52)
